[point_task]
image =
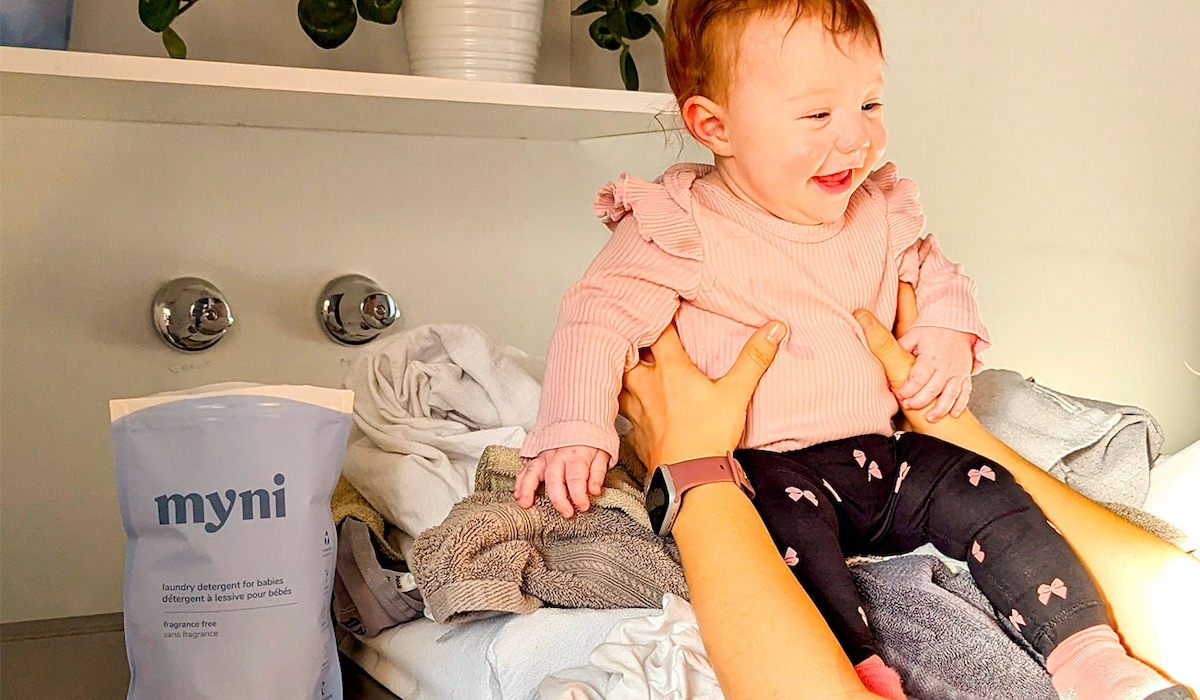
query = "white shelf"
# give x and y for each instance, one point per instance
(76, 85)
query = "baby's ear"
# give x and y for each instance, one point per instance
(705, 120)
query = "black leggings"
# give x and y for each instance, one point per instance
(888, 495)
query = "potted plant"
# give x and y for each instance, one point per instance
(620, 24)
(329, 23)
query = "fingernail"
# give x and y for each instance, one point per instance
(778, 330)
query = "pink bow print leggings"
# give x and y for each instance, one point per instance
(887, 495)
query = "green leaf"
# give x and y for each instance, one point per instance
(629, 74)
(651, 2)
(157, 14)
(176, 48)
(590, 6)
(655, 25)
(637, 25)
(615, 21)
(602, 35)
(380, 11)
(329, 23)
(629, 5)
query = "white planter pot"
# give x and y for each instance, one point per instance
(495, 40)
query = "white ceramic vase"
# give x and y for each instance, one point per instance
(495, 40)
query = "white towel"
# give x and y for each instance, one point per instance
(658, 656)
(426, 403)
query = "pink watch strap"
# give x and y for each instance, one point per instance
(706, 470)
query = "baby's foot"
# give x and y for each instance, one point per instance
(881, 679)
(1092, 665)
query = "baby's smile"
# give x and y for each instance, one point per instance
(835, 183)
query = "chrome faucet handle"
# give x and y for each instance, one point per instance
(190, 314)
(354, 310)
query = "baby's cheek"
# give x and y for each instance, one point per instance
(879, 143)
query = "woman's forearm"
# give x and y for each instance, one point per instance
(1151, 587)
(761, 630)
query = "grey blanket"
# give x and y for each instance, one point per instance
(1102, 450)
(938, 630)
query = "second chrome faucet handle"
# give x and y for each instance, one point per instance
(354, 310)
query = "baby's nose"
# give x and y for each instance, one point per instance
(854, 139)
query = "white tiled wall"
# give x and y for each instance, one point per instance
(1055, 145)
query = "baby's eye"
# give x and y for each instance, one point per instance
(816, 116)
(872, 106)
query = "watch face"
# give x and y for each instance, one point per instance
(657, 499)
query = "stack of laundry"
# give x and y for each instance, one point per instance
(440, 412)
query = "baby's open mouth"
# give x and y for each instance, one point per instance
(835, 183)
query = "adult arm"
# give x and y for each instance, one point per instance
(1150, 586)
(765, 638)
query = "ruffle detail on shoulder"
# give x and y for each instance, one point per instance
(905, 216)
(662, 209)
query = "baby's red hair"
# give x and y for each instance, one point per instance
(702, 36)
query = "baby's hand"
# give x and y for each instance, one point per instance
(943, 370)
(570, 473)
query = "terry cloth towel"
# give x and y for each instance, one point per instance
(622, 490)
(347, 502)
(491, 555)
(1102, 450)
(426, 403)
(942, 635)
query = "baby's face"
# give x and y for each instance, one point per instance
(804, 119)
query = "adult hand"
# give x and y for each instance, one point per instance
(704, 417)
(942, 374)
(883, 345)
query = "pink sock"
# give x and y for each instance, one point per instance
(1094, 665)
(880, 678)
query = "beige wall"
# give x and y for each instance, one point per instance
(1055, 145)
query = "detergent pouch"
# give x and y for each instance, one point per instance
(229, 568)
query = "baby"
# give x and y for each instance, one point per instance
(792, 224)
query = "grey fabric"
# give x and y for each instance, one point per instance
(491, 555)
(936, 628)
(1102, 450)
(368, 598)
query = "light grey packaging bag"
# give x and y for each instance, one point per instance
(231, 547)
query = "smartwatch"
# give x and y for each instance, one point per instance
(664, 492)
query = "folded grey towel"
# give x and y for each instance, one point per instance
(938, 630)
(1102, 450)
(491, 555)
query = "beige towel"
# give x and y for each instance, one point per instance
(347, 502)
(490, 555)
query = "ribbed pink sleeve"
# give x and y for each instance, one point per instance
(945, 296)
(626, 298)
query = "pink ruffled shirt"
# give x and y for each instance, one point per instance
(684, 248)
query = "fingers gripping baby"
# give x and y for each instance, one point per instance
(794, 221)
